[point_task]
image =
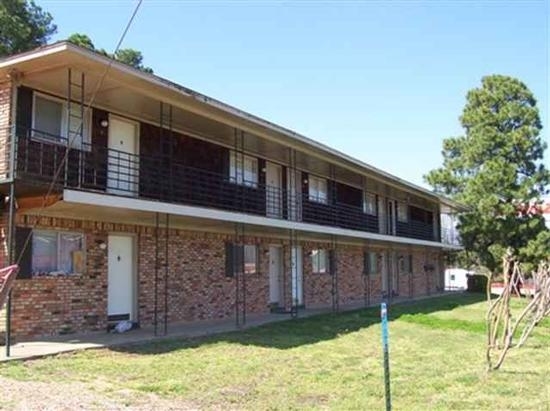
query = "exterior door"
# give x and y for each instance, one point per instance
(120, 277)
(382, 215)
(386, 270)
(122, 162)
(294, 198)
(297, 276)
(273, 190)
(391, 213)
(394, 273)
(275, 260)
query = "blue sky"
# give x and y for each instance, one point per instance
(382, 81)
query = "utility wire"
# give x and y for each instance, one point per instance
(79, 132)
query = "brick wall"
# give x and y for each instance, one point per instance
(5, 122)
(198, 288)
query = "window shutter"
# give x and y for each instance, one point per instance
(238, 252)
(366, 269)
(229, 260)
(332, 262)
(25, 263)
(24, 111)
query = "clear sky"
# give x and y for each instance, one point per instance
(382, 81)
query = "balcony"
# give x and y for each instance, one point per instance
(100, 169)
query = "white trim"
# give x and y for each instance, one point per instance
(105, 200)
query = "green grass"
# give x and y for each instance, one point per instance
(328, 361)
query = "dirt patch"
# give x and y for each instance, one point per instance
(34, 395)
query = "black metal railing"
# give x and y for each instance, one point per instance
(416, 229)
(96, 168)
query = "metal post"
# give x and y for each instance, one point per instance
(166, 275)
(385, 348)
(11, 259)
(155, 313)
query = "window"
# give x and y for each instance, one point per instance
(48, 118)
(320, 261)
(250, 259)
(241, 258)
(57, 252)
(318, 190)
(243, 169)
(402, 212)
(50, 121)
(369, 204)
(370, 263)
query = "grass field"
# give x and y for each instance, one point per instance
(327, 362)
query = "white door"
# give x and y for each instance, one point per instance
(394, 272)
(294, 198)
(120, 276)
(273, 190)
(391, 216)
(123, 162)
(274, 274)
(382, 215)
(297, 276)
(385, 272)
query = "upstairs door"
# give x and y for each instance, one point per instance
(122, 161)
(294, 197)
(382, 222)
(273, 190)
(390, 217)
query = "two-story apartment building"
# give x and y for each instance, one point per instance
(169, 206)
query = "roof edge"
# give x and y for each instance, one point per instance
(65, 45)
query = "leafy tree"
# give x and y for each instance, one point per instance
(23, 26)
(131, 57)
(81, 40)
(496, 170)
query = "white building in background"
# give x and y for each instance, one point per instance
(456, 278)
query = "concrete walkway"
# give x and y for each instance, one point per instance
(74, 342)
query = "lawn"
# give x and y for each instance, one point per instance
(328, 361)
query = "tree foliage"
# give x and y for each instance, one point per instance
(23, 26)
(128, 56)
(496, 169)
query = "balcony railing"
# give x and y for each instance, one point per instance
(101, 169)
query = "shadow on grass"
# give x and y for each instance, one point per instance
(304, 331)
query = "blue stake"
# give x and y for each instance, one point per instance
(385, 344)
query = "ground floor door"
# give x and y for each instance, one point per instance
(297, 276)
(275, 270)
(121, 278)
(394, 273)
(386, 270)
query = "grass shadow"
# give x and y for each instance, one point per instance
(304, 331)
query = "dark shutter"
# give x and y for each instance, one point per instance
(366, 269)
(238, 252)
(24, 111)
(24, 255)
(332, 261)
(226, 163)
(229, 260)
(410, 263)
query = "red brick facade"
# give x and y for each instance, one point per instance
(198, 288)
(5, 122)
